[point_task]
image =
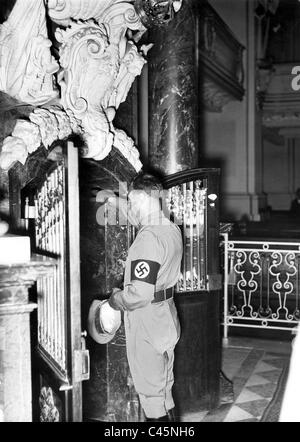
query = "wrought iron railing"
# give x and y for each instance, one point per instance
(50, 238)
(261, 284)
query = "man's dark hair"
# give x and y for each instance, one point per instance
(147, 182)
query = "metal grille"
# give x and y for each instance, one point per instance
(261, 284)
(187, 204)
(50, 238)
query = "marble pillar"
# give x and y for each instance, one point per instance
(15, 352)
(173, 114)
(109, 394)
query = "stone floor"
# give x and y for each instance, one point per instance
(254, 366)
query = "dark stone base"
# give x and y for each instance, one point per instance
(198, 353)
(109, 395)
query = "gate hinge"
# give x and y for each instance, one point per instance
(29, 211)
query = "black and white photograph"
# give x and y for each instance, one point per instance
(149, 214)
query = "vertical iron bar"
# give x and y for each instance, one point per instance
(62, 264)
(51, 195)
(225, 285)
(191, 233)
(297, 284)
(42, 298)
(197, 196)
(56, 272)
(183, 189)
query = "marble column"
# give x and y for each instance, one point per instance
(174, 146)
(173, 114)
(109, 394)
(15, 352)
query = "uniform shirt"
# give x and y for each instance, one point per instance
(153, 264)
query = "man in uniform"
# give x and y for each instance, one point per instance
(150, 317)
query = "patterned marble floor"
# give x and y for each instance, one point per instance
(254, 366)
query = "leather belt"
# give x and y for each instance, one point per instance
(163, 295)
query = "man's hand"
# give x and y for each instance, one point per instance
(113, 300)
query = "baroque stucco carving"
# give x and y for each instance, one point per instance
(48, 410)
(26, 65)
(148, 12)
(98, 62)
(98, 71)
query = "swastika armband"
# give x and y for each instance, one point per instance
(144, 270)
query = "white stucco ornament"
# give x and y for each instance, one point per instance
(80, 91)
(99, 67)
(46, 125)
(65, 12)
(29, 133)
(26, 63)
(3, 229)
(130, 67)
(126, 146)
(13, 150)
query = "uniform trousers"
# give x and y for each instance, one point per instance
(152, 375)
(151, 361)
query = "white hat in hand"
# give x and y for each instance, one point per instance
(103, 321)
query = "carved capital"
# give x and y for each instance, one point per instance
(65, 12)
(136, 13)
(157, 12)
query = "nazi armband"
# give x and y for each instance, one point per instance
(144, 270)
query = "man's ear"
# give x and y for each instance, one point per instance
(142, 196)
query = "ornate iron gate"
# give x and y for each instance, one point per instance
(62, 361)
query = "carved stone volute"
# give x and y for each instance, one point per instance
(85, 56)
(98, 62)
